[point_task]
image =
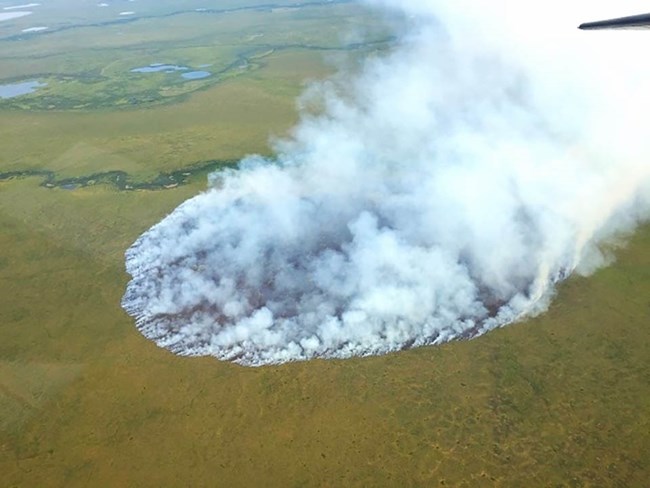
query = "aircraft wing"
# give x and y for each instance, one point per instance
(634, 22)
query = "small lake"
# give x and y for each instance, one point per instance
(196, 75)
(17, 89)
(158, 67)
(27, 5)
(12, 15)
(34, 29)
(172, 68)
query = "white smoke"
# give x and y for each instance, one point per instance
(441, 193)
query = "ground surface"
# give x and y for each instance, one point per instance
(562, 400)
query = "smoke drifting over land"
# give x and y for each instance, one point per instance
(442, 193)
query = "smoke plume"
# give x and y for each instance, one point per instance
(439, 193)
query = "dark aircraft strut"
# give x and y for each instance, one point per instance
(633, 22)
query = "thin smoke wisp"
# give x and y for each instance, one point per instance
(441, 192)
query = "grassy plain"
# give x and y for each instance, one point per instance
(562, 400)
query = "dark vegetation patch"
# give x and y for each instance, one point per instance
(121, 180)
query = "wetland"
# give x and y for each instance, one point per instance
(17, 89)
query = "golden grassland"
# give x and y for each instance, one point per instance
(561, 400)
(85, 400)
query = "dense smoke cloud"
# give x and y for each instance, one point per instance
(441, 193)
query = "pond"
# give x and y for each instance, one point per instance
(12, 15)
(172, 68)
(157, 67)
(196, 75)
(12, 90)
(34, 29)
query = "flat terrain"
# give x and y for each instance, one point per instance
(85, 400)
